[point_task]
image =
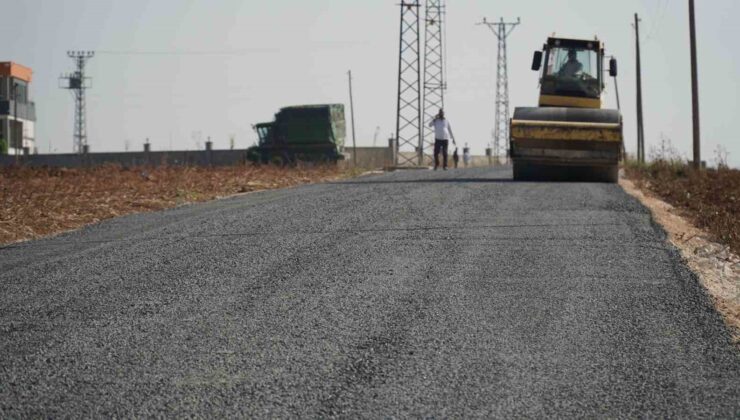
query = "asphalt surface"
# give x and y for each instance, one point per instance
(424, 294)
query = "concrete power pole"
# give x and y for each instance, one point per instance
(501, 30)
(352, 114)
(619, 106)
(640, 127)
(78, 83)
(694, 88)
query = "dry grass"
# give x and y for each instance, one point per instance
(36, 202)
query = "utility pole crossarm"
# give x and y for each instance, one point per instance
(508, 26)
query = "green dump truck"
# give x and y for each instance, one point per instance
(301, 133)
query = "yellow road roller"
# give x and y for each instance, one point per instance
(569, 136)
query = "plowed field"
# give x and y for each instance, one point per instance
(709, 198)
(36, 202)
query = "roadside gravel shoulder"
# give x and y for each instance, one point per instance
(716, 267)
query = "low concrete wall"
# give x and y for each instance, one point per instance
(70, 160)
(369, 157)
(475, 160)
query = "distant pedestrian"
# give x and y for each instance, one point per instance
(466, 155)
(442, 136)
(455, 157)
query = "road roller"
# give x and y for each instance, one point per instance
(569, 136)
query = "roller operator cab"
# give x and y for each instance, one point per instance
(568, 136)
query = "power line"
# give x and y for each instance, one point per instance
(656, 20)
(243, 52)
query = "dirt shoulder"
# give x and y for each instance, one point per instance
(714, 263)
(37, 202)
(709, 198)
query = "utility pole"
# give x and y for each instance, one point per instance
(501, 30)
(352, 113)
(640, 126)
(619, 106)
(435, 60)
(616, 90)
(694, 88)
(409, 112)
(78, 83)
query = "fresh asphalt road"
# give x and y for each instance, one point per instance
(419, 293)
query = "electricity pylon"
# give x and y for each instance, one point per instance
(501, 30)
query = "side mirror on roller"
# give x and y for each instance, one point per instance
(613, 67)
(537, 60)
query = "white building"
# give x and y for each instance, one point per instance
(17, 112)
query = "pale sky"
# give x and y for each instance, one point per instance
(166, 69)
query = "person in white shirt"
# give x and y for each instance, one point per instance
(442, 136)
(466, 155)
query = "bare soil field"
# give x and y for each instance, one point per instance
(709, 198)
(36, 202)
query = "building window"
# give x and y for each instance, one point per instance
(16, 133)
(4, 88)
(21, 91)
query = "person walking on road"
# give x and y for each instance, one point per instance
(466, 155)
(455, 158)
(442, 136)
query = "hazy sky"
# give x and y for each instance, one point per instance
(166, 69)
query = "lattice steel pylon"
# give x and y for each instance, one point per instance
(77, 82)
(435, 72)
(408, 117)
(502, 30)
